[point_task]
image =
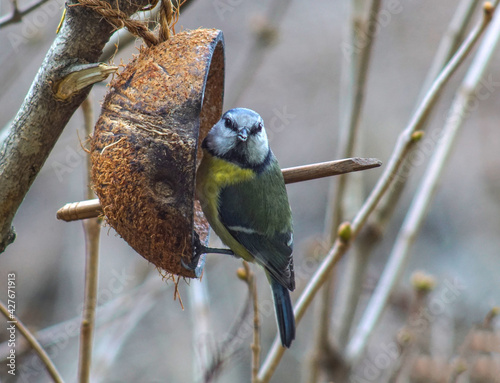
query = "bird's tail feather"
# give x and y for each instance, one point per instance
(284, 312)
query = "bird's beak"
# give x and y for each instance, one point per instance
(243, 134)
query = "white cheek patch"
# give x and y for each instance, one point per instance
(223, 140)
(258, 148)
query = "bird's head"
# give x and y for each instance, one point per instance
(240, 137)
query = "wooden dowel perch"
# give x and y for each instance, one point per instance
(92, 208)
(328, 169)
(80, 210)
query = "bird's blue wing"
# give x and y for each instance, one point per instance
(257, 214)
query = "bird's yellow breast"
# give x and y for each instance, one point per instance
(213, 175)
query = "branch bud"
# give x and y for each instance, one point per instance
(345, 232)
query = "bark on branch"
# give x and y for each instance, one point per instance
(41, 118)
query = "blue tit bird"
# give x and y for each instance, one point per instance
(242, 193)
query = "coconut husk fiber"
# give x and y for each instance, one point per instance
(146, 146)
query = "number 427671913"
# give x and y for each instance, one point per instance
(11, 294)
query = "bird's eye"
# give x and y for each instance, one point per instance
(259, 127)
(229, 124)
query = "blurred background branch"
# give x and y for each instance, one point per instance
(92, 231)
(424, 194)
(266, 32)
(17, 14)
(409, 137)
(47, 362)
(325, 359)
(351, 285)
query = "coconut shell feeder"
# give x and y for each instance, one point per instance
(146, 147)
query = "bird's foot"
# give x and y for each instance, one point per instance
(200, 249)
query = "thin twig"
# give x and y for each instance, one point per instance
(357, 64)
(88, 120)
(447, 47)
(107, 313)
(414, 337)
(458, 370)
(17, 15)
(92, 229)
(423, 196)
(12, 319)
(363, 28)
(492, 314)
(92, 208)
(451, 40)
(377, 223)
(405, 347)
(405, 142)
(227, 349)
(252, 288)
(263, 40)
(201, 326)
(111, 342)
(357, 262)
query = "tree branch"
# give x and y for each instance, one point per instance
(356, 263)
(447, 47)
(201, 326)
(427, 189)
(255, 347)
(17, 15)
(41, 118)
(379, 220)
(363, 28)
(92, 230)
